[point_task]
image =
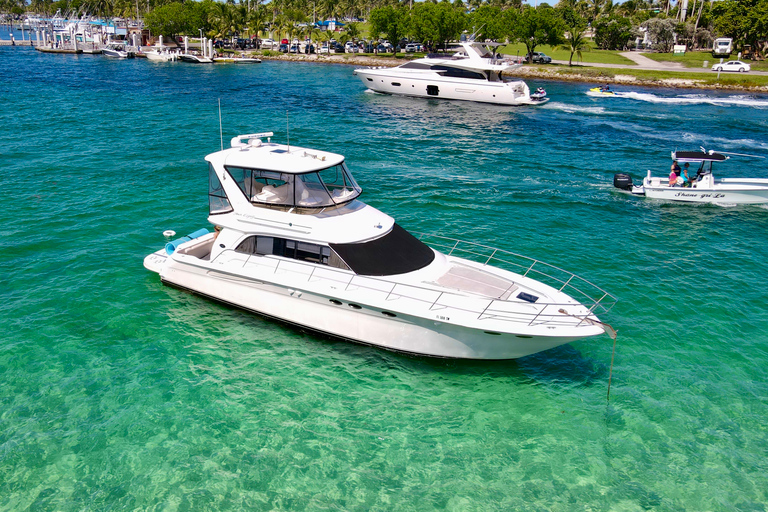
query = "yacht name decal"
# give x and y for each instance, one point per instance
(702, 196)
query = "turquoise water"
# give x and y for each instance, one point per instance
(118, 393)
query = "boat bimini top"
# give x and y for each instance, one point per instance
(698, 156)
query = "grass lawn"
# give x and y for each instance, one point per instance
(593, 55)
(697, 59)
(708, 78)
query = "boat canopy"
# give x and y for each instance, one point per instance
(325, 188)
(698, 156)
(397, 252)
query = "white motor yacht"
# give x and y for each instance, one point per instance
(117, 50)
(296, 244)
(701, 187)
(473, 72)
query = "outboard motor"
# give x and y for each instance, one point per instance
(623, 181)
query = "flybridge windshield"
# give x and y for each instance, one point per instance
(332, 186)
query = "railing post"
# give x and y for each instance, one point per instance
(566, 283)
(394, 285)
(490, 257)
(435, 302)
(485, 309)
(454, 247)
(531, 267)
(537, 315)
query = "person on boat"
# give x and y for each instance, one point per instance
(675, 167)
(685, 173)
(605, 88)
(673, 179)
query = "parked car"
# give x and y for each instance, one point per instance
(733, 65)
(337, 48)
(294, 48)
(243, 43)
(283, 48)
(324, 49)
(541, 58)
(350, 47)
(309, 48)
(413, 47)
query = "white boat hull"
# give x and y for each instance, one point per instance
(348, 313)
(724, 191)
(161, 57)
(503, 93)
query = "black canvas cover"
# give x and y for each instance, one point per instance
(397, 252)
(699, 156)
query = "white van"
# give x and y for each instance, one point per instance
(722, 47)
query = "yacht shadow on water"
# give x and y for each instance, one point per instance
(563, 365)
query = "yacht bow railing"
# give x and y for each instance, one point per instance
(597, 300)
(594, 299)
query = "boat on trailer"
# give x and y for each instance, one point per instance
(702, 187)
(296, 244)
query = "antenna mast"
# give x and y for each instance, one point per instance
(221, 133)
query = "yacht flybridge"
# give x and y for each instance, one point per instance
(473, 72)
(296, 244)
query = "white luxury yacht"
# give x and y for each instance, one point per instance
(297, 245)
(473, 72)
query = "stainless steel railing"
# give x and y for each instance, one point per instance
(593, 298)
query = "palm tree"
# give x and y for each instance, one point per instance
(575, 42)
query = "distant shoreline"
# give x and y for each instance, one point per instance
(595, 75)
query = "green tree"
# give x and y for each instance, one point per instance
(438, 23)
(488, 22)
(575, 42)
(662, 32)
(537, 26)
(613, 32)
(169, 20)
(391, 21)
(746, 21)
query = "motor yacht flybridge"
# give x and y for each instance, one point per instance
(296, 244)
(473, 72)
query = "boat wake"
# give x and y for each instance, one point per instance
(571, 109)
(695, 99)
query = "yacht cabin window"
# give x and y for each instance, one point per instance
(328, 187)
(444, 70)
(293, 249)
(217, 198)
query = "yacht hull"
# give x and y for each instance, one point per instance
(501, 93)
(356, 321)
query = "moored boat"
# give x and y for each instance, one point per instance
(117, 50)
(296, 244)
